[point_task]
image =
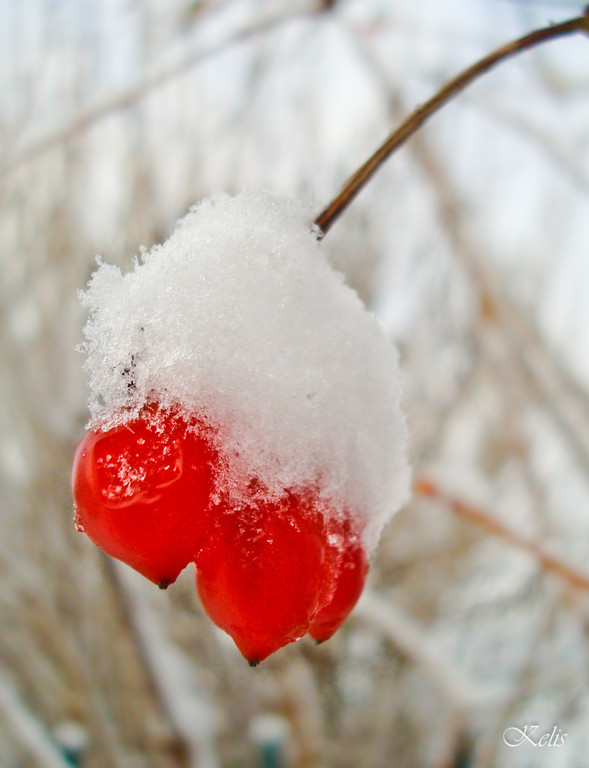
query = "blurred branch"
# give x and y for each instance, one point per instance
(29, 731)
(412, 124)
(46, 643)
(172, 677)
(565, 401)
(454, 687)
(302, 704)
(126, 97)
(564, 155)
(563, 398)
(426, 487)
(522, 689)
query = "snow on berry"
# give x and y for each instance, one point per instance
(237, 328)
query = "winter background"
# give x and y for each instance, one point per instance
(470, 246)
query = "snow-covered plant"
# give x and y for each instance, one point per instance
(245, 417)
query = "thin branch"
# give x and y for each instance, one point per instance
(396, 139)
(546, 379)
(189, 715)
(301, 702)
(491, 525)
(116, 576)
(549, 384)
(126, 97)
(564, 155)
(525, 680)
(28, 730)
(455, 688)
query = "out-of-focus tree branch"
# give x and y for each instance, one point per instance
(489, 523)
(31, 734)
(405, 633)
(126, 97)
(565, 400)
(564, 157)
(170, 675)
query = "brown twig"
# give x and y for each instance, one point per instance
(485, 520)
(409, 126)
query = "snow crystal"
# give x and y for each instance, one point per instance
(238, 317)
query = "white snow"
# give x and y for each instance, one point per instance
(238, 317)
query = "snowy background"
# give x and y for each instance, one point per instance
(470, 246)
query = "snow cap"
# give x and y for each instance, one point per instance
(240, 319)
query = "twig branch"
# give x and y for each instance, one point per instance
(28, 730)
(564, 155)
(485, 520)
(189, 715)
(301, 702)
(126, 97)
(396, 139)
(455, 688)
(548, 383)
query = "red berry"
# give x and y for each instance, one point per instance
(345, 571)
(259, 576)
(142, 490)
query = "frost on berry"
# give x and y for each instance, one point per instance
(142, 492)
(259, 575)
(239, 326)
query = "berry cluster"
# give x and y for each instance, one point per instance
(268, 570)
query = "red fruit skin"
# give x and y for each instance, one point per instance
(345, 571)
(259, 576)
(142, 490)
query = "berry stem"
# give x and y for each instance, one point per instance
(417, 118)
